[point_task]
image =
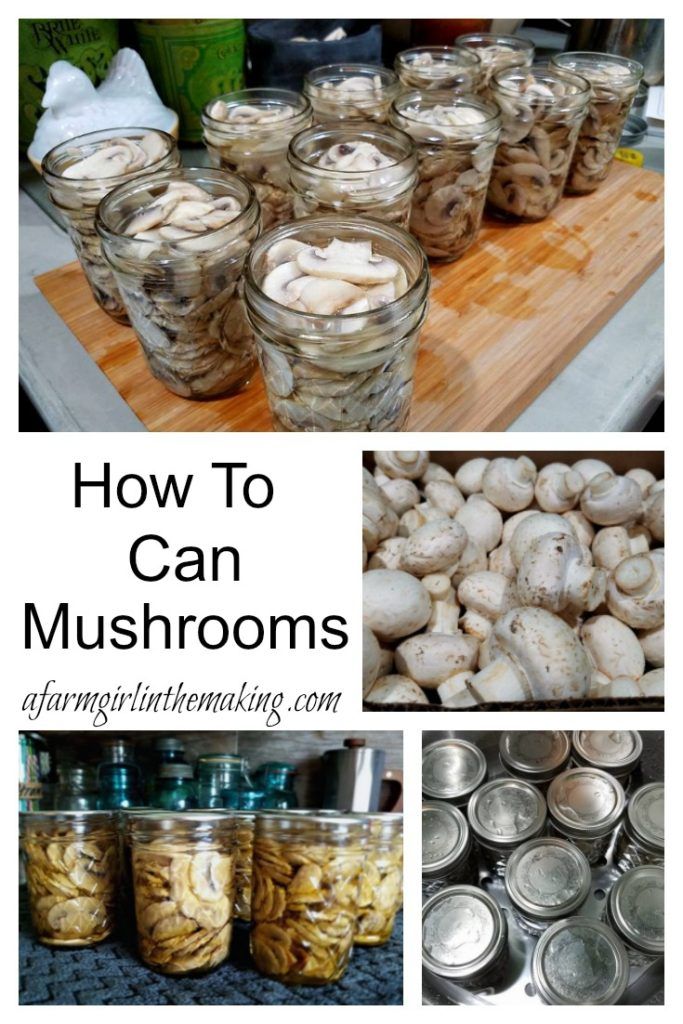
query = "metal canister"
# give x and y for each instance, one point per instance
(546, 879)
(353, 776)
(503, 814)
(635, 910)
(580, 962)
(446, 843)
(464, 937)
(536, 756)
(641, 839)
(585, 805)
(452, 769)
(613, 751)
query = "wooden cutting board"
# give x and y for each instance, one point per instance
(503, 320)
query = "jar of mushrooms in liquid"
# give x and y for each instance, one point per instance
(359, 168)
(613, 84)
(381, 885)
(245, 827)
(351, 92)
(456, 138)
(72, 861)
(439, 67)
(336, 305)
(177, 243)
(82, 171)
(248, 133)
(541, 112)
(306, 879)
(497, 52)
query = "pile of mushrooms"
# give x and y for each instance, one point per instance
(504, 582)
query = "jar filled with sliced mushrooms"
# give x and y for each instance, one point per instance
(456, 138)
(245, 826)
(496, 52)
(82, 171)
(351, 92)
(184, 885)
(72, 861)
(614, 82)
(541, 114)
(381, 886)
(306, 883)
(248, 132)
(360, 168)
(336, 305)
(439, 67)
(177, 243)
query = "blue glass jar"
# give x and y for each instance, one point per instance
(169, 750)
(223, 781)
(276, 778)
(76, 789)
(118, 777)
(175, 788)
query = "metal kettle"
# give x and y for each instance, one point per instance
(353, 776)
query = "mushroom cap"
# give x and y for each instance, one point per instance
(511, 524)
(652, 644)
(372, 659)
(435, 472)
(445, 495)
(583, 528)
(410, 465)
(553, 575)
(469, 477)
(431, 658)
(530, 529)
(558, 487)
(635, 590)
(652, 683)
(434, 547)
(590, 468)
(395, 604)
(482, 520)
(610, 500)
(388, 554)
(653, 514)
(396, 690)
(401, 494)
(613, 648)
(488, 593)
(643, 477)
(509, 483)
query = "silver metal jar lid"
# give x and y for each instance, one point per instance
(547, 878)
(463, 932)
(452, 769)
(636, 908)
(445, 837)
(580, 961)
(536, 755)
(506, 812)
(616, 752)
(645, 814)
(586, 802)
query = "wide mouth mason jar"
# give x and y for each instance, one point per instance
(536, 756)
(496, 52)
(546, 879)
(635, 910)
(585, 806)
(641, 837)
(541, 112)
(616, 752)
(325, 366)
(248, 132)
(381, 881)
(456, 138)
(580, 962)
(80, 172)
(614, 82)
(439, 67)
(360, 168)
(464, 937)
(351, 92)
(183, 867)
(72, 861)
(306, 883)
(503, 814)
(446, 844)
(180, 278)
(452, 769)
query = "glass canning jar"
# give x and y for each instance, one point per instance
(184, 295)
(546, 879)
(72, 861)
(118, 776)
(452, 769)
(536, 755)
(183, 867)
(541, 111)
(276, 779)
(306, 882)
(381, 881)
(345, 371)
(77, 789)
(641, 837)
(222, 778)
(248, 132)
(614, 751)
(614, 83)
(77, 200)
(447, 848)
(175, 788)
(580, 962)
(464, 937)
(439, 67)
(351, 92)
(245, 826)
(635, 910)
(497, 52)
(456, 138)
(503, 814)
(325, 179)
(585, 805)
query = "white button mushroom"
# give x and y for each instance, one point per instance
(372, 657)
(400, 494)
(558, 487)
(553, 575)
(613, 648)
(613, 544)
(431, 658)
(635, 590)
(396, 690)
(473, 559)
(590, 468)
(470, 476)
(444, 495)
(643, 477)
(500, 560)
(652, 644)
(486, 596)
(653, 513)
(434, 547)
(395, 604)
(610, 500)
(583, 528)
(435, 472)
(509, 483)
(445, 609)
(388, 554)
(652, 683)
(482, 520)
(454, 692)
(535, 526)
(410, 465)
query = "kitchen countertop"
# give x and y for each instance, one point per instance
(614, 384)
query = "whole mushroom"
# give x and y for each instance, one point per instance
(614, 650)
(635, 590)
(470, 476)
(431, 658)
(395, 604)
(558, 488)
(552, 575)
(509, 483)
(409, 465)
(610, 500)
(486, 596)
(482, 520)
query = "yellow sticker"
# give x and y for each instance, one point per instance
(630, 156)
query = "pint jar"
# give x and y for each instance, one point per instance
(503, 814)
(635, 910)
(614, 82)
(456, 138)
(585, 805)
(447, 848)
(336, 305)
(546, 879)
(541, 111)
(183, 868)
(641, 837)
(464, 937)
(439, 67)
(182, 286)
(496, 52)
(304, 904)
(536, 756)
(72, 861)
(381, 879)
(580, 962)
(452, 769)
(248, 132)
(614, 751)
(351, 92)
(245, 826)
(107, 158)
(360, 168)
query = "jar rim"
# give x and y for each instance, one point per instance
(621, 902)
(105, 133)
(444, 97)
(500, 78)
(485, 830)
(597, 826)
(452, 792)
(581, 741)
(494, 38)
(635, 819)
(73, 818)
(314, 77)
(570, 853)
(593, 58)
(405, 56)
(619, 982)
(259, 96)
(461, 836)
(511, 757)
(481, 959)
(352, 130)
